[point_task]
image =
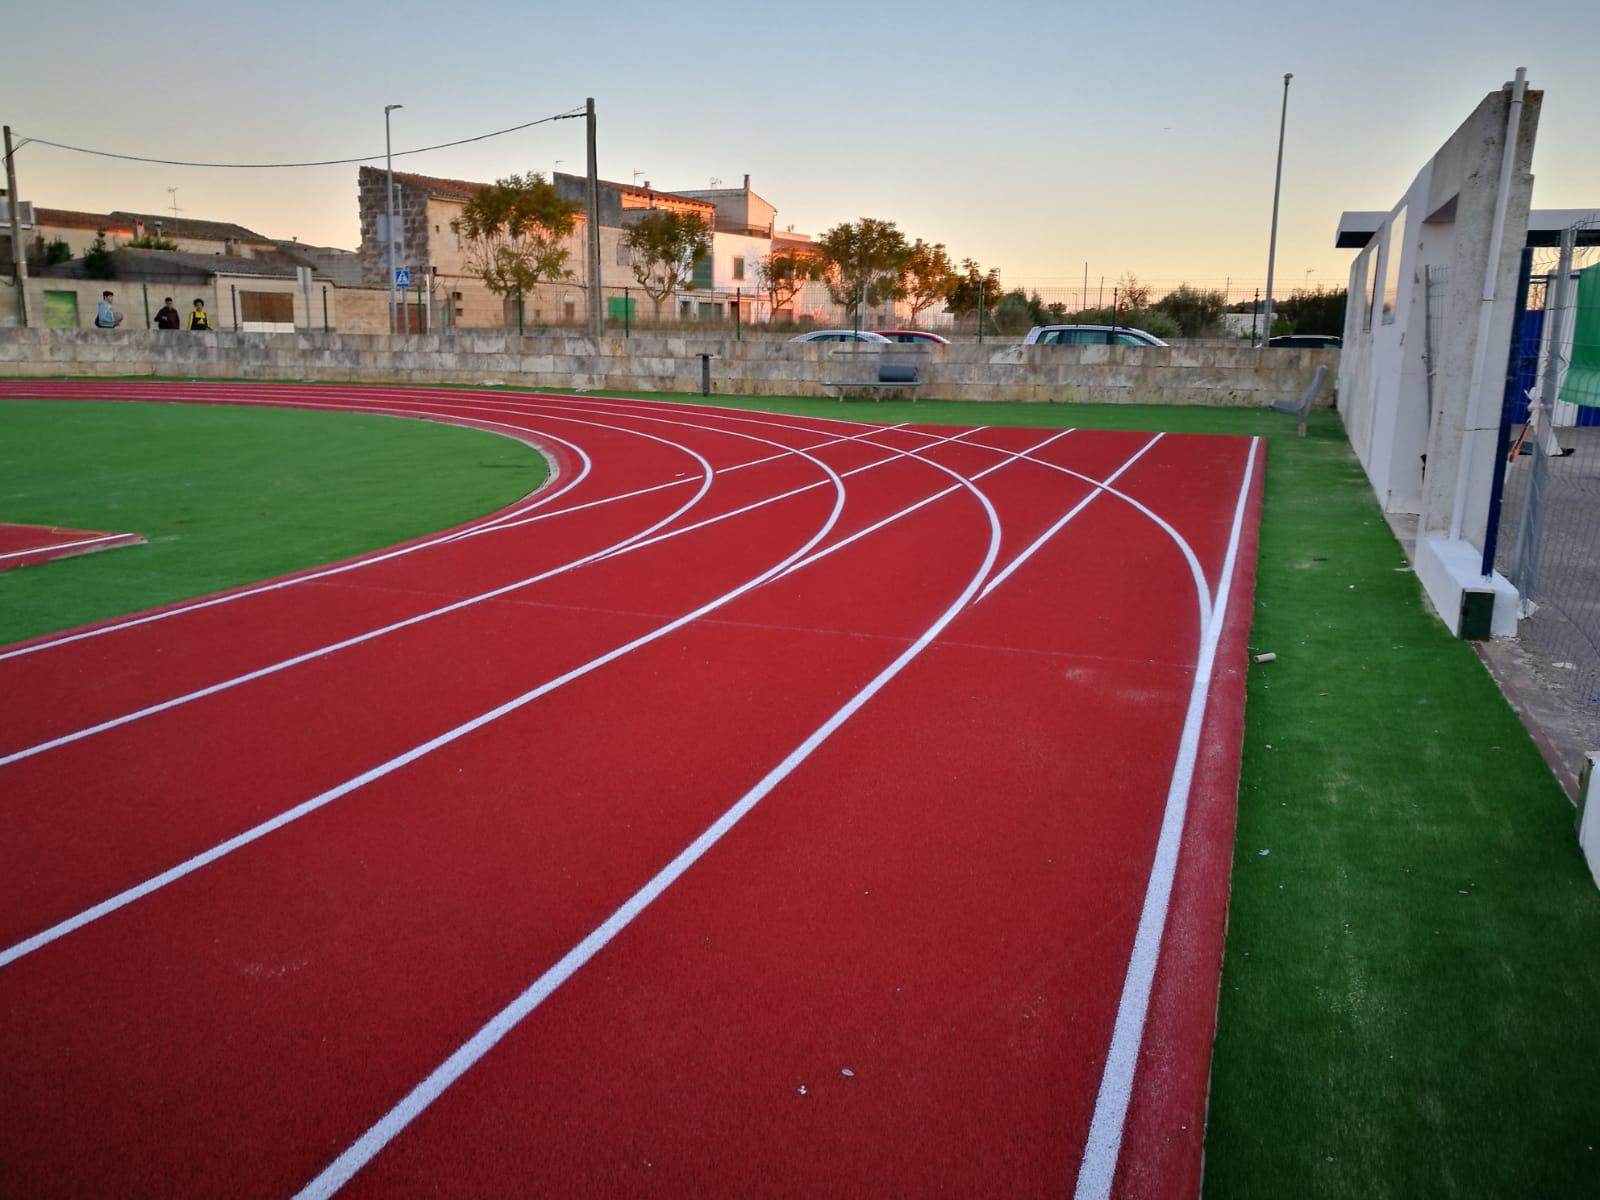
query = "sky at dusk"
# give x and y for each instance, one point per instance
(1030, 137)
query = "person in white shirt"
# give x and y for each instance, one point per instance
(106, 317)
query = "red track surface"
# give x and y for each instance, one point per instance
(27, 545)
(669, 870)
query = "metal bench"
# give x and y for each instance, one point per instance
(1299, 408)
(885, 372)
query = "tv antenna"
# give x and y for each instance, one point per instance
(172, 195)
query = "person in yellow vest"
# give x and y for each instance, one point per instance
(198, 320)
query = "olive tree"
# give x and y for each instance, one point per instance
(515, 232)
(663, 247)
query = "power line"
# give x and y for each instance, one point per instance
(328, 162)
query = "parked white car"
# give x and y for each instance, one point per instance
(1089, 335)
(840, 335)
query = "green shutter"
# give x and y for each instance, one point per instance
(622, 308)
(702, 273)
(1582, 384)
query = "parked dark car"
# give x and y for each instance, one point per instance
(1307, 341)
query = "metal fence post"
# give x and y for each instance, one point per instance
(627, 312)
(980, 312)
(738, 303)
(324, 308)
(234, 288)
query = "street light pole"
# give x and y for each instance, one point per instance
(1272, 244)
(388, 253)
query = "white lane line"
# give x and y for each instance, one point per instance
(51, 546)
(635, 541)
(1044, 537)
(295, 580)
(1098, 1170)
(252, 394)
(895, 455)
(923, 503)
(261, 830)
(423, 394)
(1196, 572)
(362, 1151)
(78, 735)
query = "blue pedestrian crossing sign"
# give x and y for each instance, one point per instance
(402, 277)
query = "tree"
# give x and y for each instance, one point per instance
(929, 277)
(1131, 292)
(783, 274)
(1318, 311)
(97, 262)
(1012, 314)
(151, 241)
(865, 261)
(515, 230)
(664, 247)
(1196, 312)
(973, 286)
(55, 251)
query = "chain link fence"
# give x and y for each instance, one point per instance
(1549, 530)
(1224, 313)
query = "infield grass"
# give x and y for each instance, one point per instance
(226, 496)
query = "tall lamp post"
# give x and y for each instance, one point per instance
(1272, 244)
(388, 254)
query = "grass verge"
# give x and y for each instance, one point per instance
(226, 496)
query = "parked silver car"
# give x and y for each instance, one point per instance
(840, 335)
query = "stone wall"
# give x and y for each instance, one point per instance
(960, 371)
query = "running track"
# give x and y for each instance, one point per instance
(767, 806)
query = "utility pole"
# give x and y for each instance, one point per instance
(1272, 243)
(19, 256)
(388, 234)
(597, 312)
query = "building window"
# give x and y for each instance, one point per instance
(738, 266)
(624, 259)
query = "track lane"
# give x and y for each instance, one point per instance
(777, 609)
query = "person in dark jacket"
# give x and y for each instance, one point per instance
(198, 320)
(168, 317)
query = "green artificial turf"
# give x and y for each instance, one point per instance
(1410, 1000)
(226, 496)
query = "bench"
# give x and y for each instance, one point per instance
(889, 373)
(1299, 408)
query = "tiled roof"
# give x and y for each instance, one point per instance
(184, 227)
(465, 189)
(457, 189)
(66, 218)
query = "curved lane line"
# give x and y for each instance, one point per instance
(321, 573)
(1098, 1169)
(367, 1146)
(256, 832)
(635, 541)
